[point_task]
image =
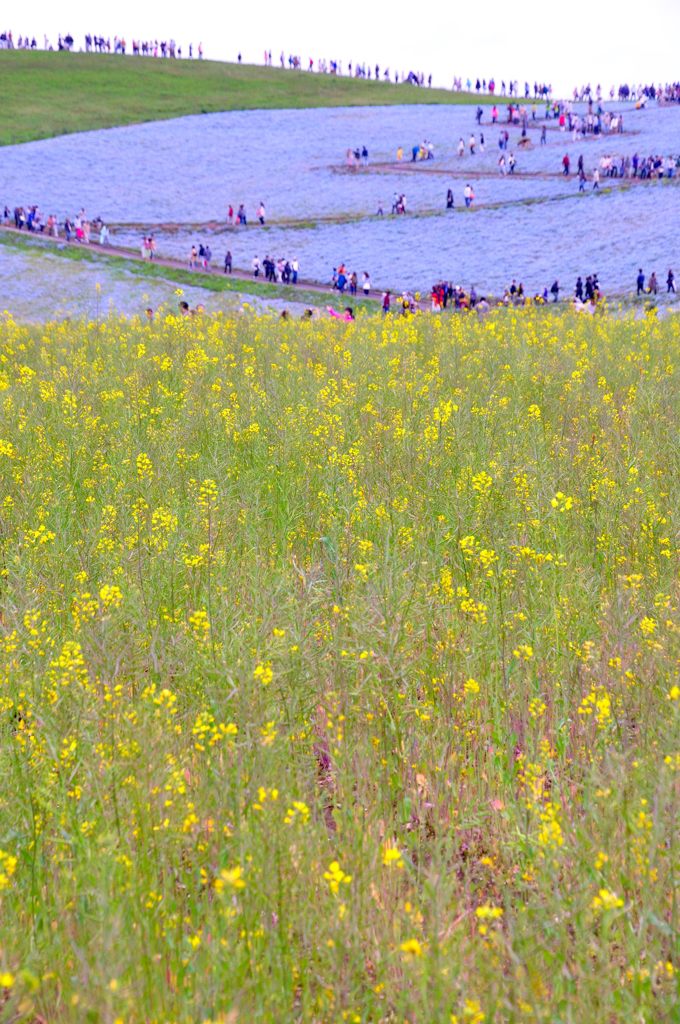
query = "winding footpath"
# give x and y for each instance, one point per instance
(263, 288)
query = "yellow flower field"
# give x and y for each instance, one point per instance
(339, 670)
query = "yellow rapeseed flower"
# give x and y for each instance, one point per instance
(411, 949)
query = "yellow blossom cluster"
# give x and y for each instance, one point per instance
(339, 668)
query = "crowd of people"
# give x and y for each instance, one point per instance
(355, 69)
(139, 47)
(403, 304)
(200, 257)
(587, 292)
(277, 271)
(419, 151)
(357, 157)
(651, 286)
(147, 247)
(586, 296)
(595, 121)
(512, 88)
(344, 280)
(444, 294)
(239, 218)
(103, 44)
(667, 93)
(30, 218)
(539, 90)
(635, 166)
(643, 168)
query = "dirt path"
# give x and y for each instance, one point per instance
(134, 256)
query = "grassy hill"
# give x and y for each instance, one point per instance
(47, 94)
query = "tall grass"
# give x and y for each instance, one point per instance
(339, 670)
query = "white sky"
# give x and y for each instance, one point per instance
(566, 43)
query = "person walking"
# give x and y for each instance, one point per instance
(670, 282)
(653, 286)
(227, 262)
(640, 282)
(555, 290)
(469, 195)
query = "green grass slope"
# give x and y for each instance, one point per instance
(48, 94)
